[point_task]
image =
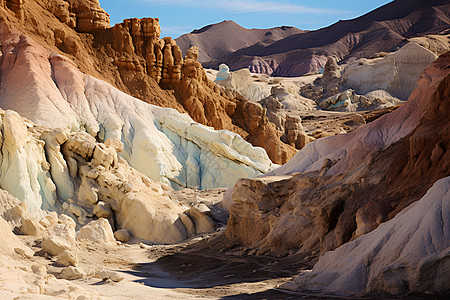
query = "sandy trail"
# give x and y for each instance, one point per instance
(196, 269)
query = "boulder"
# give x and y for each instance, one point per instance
(202, 222)
(40, 270)
(224, 72)
(98, 231)
(102, 210)
(50, 220)
(62, 237)
(71, 273)
(67, 258)
(122, 235)
(110, 275)
(31, 226)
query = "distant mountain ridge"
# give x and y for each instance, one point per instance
(297, 54)
(222, 39)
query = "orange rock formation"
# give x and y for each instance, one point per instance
(132, 57)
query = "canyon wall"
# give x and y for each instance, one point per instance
(339, 188)
(133, 58)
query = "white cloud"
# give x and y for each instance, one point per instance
(245, 6)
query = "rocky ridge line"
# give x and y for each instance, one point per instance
(131, 57)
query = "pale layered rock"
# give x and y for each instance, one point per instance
(348, 185)
(188, 223)
(101, 182)
(288, 95)
(350, 149)
(331, 72)
(224, 72)
(32, 281)
(344, 101)
(396, 73)
(439, 44)
(102, 210)
(140, 205)
(408, 254)
(31, 226)
(12, 209)
(80, 101)
(39, 270)
(131, 57)
(50, 220)
(202, 222)
(9, 243)
(26, 173)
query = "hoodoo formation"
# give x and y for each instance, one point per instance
(129, 171)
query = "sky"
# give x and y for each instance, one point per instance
(178, 17)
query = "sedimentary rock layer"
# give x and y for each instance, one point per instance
(408, 254)
(133, 58)
(348, 185)
(160, 142)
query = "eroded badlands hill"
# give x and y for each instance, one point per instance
(383, 29)
(219, 40)
(342, 187)
(131, 57)
(83, 154)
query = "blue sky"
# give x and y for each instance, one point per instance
(182, 16)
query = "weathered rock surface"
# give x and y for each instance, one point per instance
(349, 184)
(98, 231)
(87, 180)
(9, 242)
(16, 6)
(408, 254)
(71, 273)
(161, 143)
(396, 73)
(124, 236)
(83, 16)
(67, 258)
(61, 238)
(111, 275)
(331, 73)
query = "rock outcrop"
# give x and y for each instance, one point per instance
(348, 184)
(275, 97)
(408, 254)
(331, 73)
(142, 59)
(83, 16)
(396, 73)
(72, 173)
(16, 6)
(133, 58)
(162, 143)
